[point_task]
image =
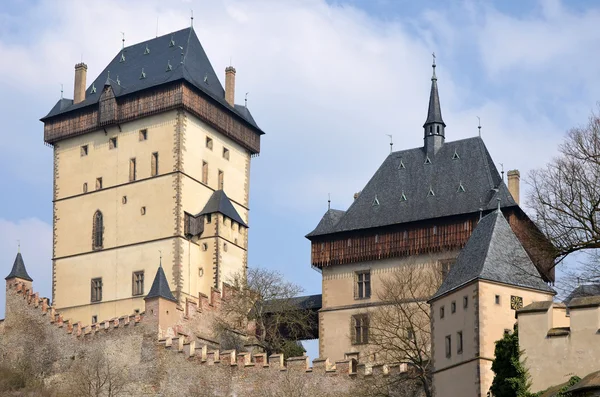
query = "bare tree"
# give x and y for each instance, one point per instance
(264, 304)
(400, 331)
(96, 375)
(565, 194)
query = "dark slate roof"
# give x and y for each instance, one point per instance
(18, 269)
(328, 222)
(493, 253)
(160, 287)
(309, 302)
(434, 112)
(219, 202)
(405, 173)
(125, 76)
(582, 291)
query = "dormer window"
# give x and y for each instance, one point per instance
(401, 165)
(375, 202)
(431, 193)
(427, 160)
(461, 188)
(403, 196)
(455, 156)
(147, 50)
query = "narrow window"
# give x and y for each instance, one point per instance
(453, 307)
(448, 346)
(208, 218)
(154, 164)
(204, 246)
(465, 302)
(225, 247)
(96, 289)
(221, 180)
(442, 312)
(497, 299)
(143, 210)
(226, 153)
(363, 285)
(232, 225)
(459, 342)
(124, 200)
(209, 143)
(112, 143)
(132, 170)
(98, 183)
(143, 134)
(94, 319)
(97, 230)
(200, 272)
(437, 129)
(205, 172)
(85, 187)
(360, 329)
(138, 283)
(84, 150)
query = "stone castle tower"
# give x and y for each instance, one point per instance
(152, 158)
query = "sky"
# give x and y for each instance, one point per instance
(327, 82)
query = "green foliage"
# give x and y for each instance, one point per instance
(511, 377)
(292, 349)
(562, 392)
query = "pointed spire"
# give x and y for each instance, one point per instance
(434, 125)
(160, 286)
(18, 268)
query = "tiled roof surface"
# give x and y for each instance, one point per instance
(219, 202)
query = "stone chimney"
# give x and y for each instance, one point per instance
(514, 179)
(230, 85)
(80, 75)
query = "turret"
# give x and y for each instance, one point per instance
(434, 127)
(18, 274)
(161, 305)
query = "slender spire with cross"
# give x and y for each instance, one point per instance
(160, 258)
(434, 127)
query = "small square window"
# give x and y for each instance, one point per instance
(94, 319)
(465, 302)
(442, 312)
(143, 211)
(85, 187)
(98, 183)
(84, 150)
(143, 134)
(497, 299)
(112, 143)
(208, 218)
(209, 143)
(453, 307)
(226, 153)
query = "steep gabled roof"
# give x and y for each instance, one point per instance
(219, 202)
(411, 186)
(327, 223)
(160, 287)
(18, 269)
(493, 253)
(173, 57)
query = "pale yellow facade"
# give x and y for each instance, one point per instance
(340, 302)
(482, 313)
(143, 217)
(556, 346)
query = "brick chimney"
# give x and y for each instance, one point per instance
(514, 178)
(230, 85)
(80, 75)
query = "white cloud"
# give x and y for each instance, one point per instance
(36, 247)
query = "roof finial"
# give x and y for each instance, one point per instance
(160, 258)
(433, 77)
(19, 246)
(479, 125)
(246, 100)
(61, 91)
(192, 19)
(502, 168)
(123, 40)
(391, 143)
(329, 201)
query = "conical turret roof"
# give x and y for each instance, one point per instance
(18, 269)
(160, 287)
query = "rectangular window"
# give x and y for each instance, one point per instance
(84, 150)
(94, 319)
(221, 180)
(98, 183)
(138, 283)
(459, 342)
(448, 346)
(226, 153)
(143, 134)
(497, 299)
(85, 187)
(453, 307)
(112, 143)
(209, 143)
(205, 172)
(360, 324)
(363, 285)
(465, 302)
(96, 289)
(154, 164)
(442, 312)
(208, 218)
(132, 170)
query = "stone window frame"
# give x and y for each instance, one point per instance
(442, 312)
(132, 169)
(99, 183)
(221, 180)
(465, 302)
(96, 290)
(154, 164)
(226, 153)
(209, 143)
(98, 231)
(360, 329)
(84, 150)
(137, 283)
(205, 172)
(362, 284)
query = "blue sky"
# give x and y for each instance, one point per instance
(326, 80)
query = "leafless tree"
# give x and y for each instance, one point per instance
(264, 304)
(95, 375)
(400, 330)
(565, 195)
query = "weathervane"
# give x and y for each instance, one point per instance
(160, 260)
(391, 143)
(479, 125)
(329, 201)
(123, 40)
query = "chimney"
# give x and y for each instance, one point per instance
(80, 75)
(230, 85)
(514, 178)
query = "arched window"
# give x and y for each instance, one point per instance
(97, 230)
(437, 129)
